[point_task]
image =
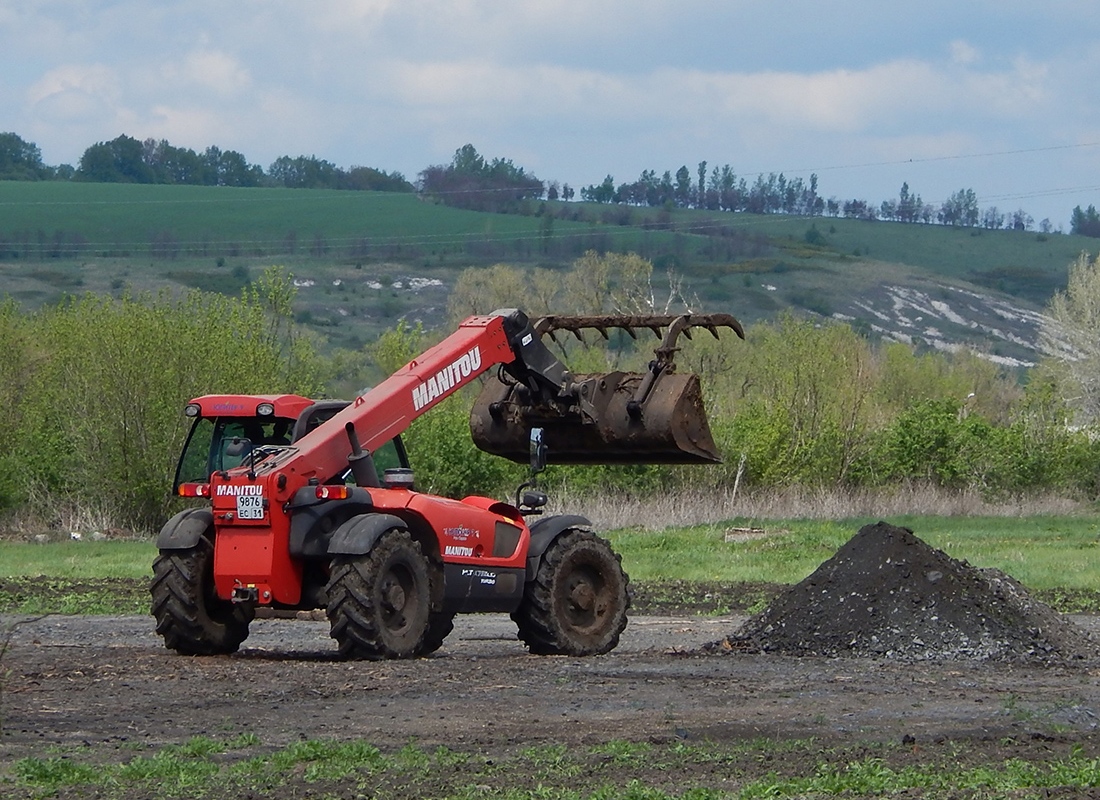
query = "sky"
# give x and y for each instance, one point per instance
(997, 96)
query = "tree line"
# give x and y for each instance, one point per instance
(498, 185)
(91, 427)
(127, 160)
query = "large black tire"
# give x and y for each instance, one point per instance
(440, 624)
(379, 604)
(190, 616)
(577, 602)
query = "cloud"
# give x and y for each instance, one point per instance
(210, 70)
(963, 52)
(568, 88)
(74, 93)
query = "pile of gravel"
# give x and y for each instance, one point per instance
(887, 594)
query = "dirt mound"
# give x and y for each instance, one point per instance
(887, 594)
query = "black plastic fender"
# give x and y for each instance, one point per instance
(185, 529)
(357, 536)
(313, 521)
(544, 532)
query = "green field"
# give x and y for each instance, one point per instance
(361, 252)
(126, 220)
(1041, 552)
(1052, 555)
(172, 223)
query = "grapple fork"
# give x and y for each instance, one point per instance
(651, 417)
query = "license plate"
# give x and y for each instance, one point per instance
(250, 506)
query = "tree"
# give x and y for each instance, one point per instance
(374, 180)
(120, 160)
(615, 283)
(480, 290)
(1021, 220)
(683, 187)
(20, 160)
(471, 182)
(303, 173)
(908, 206)
(172, 164)
(961, 208)
(604, 193)
(1073, 334)
(992, 219)
(96, 425)
(1085, 223)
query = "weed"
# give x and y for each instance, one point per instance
(53, 773)
(623, 752)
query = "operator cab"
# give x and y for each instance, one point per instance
(229, 429)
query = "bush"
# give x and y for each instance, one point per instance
(103, 381)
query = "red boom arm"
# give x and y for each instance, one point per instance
(478, 345)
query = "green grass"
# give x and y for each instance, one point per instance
(77, 560)
(150, 237)
(1045, 552)
(121, 219)
(204, 766)
(1057, 557)
(959, 253)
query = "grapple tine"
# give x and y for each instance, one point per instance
(650, 417)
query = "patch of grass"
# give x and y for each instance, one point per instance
(676, 570)
(78, 560)
(1045, 553)
(623, 752)
(41, 595)
(614, 769)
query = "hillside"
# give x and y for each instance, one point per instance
(363, 260)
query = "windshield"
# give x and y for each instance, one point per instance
(225, 442)
(210, 445)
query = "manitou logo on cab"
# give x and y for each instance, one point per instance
(455, 550)
(447, 378)
(230, 490)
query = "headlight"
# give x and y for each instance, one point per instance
(265, 409)
(192, 410)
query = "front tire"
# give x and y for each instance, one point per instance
(190, 616)
(577, 602)
(379, 603)
(440, 625)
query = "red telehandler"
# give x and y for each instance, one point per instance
(312, 505)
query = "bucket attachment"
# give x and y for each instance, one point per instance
(652, 417)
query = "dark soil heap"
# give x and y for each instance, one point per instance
(887, 594)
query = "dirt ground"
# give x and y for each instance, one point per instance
(108, 682)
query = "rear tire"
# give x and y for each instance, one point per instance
(190, 616)
(577, 602)
(379, 603)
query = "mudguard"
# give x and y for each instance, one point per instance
(309, 538)
(544, 532)
(357, 536)
(183, 531)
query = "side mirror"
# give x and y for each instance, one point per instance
(238, 447)
(532, 499)
(538, 452)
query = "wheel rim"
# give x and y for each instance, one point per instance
(587, 599)
(398, 598)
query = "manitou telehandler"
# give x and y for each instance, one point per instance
(312, 505)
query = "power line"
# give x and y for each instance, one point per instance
(931, 159)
